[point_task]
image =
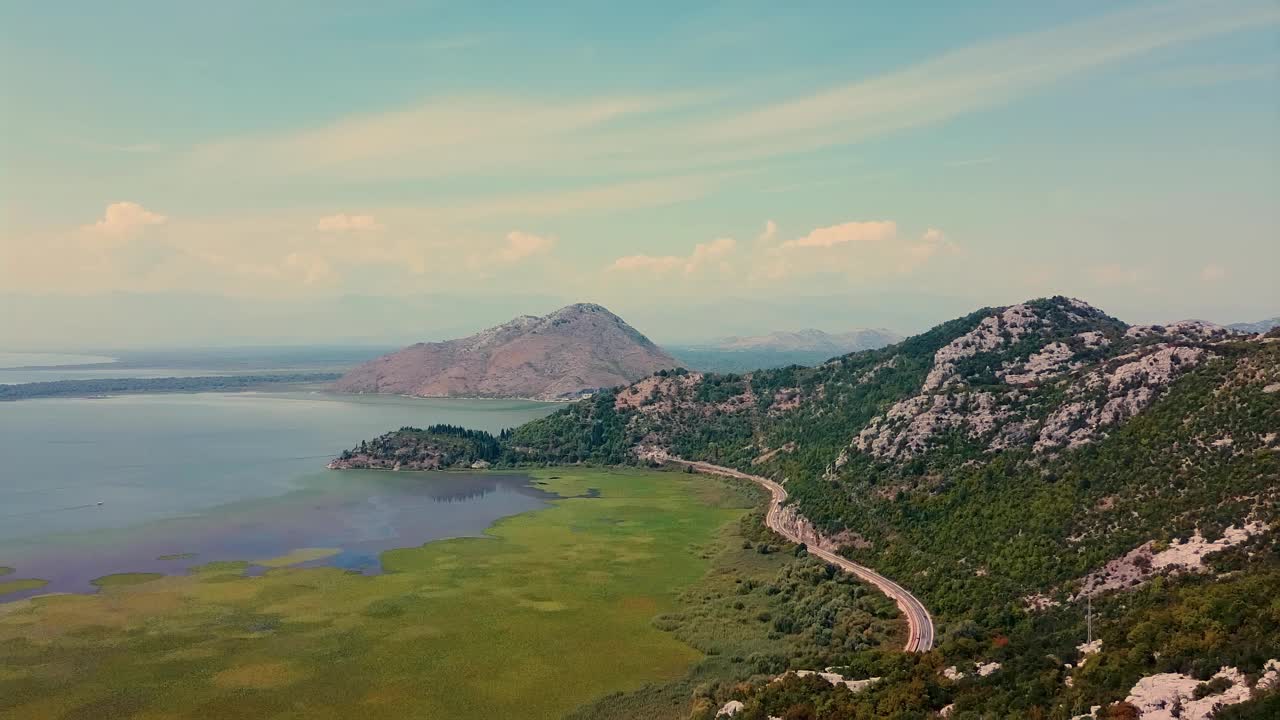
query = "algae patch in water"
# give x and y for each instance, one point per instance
(119, 579)
(13, 586)
(300, 555)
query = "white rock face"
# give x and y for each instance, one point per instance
(731, 708)
(1105, 397)
(988, 668)
(1159, 697)
(1053, 359)
(1087, 649)
(790, 519)
(1039, 601)
(832, 677)
(1140, 564)
(982, 669)
(1092, 339)
(838, 679)
(1115, 393)
(907, 428)
(1270, 676)
(991, 334)
(1193, 330)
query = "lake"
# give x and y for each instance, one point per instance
(91, 487)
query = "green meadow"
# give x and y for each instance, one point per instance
(554, 609)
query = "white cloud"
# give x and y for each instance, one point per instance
(850, 232)
(859, 249)
(1213, 272)
(521, 245)
(704, 255)
(342, 222)
(123, 219)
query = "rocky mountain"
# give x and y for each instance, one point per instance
(1003, 466)
(1010, 468)
(1257, 327)
(572, 351)
(811, 340)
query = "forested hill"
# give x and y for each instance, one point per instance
(996, 465)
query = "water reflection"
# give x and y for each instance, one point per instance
(358, 514)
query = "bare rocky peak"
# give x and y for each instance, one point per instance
(1187, 330)
(576, 349)
(984, 383)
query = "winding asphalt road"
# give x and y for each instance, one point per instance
(919, 623)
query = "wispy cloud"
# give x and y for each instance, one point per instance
(686, 132)
(115, 147)
(343, 222)
(985, 75)
(1206, 75)
(445, 136)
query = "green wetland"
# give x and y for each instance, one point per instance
(286, 591)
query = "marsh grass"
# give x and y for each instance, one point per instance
(552, 609)
(21, 584)
(755, 614)
(120, 579)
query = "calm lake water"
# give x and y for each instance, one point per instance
(12, 376)
(16, 359)
(228, 477)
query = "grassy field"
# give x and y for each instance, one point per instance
(553, 610)
(761, 608)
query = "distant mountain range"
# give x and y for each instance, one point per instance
(811, 340)
(1257, 327)
(572, 351)
(778, 349)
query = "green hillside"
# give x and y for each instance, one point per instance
(995, 466)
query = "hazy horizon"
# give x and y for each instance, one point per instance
(391, 321)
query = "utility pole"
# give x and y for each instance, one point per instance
(1089, 620)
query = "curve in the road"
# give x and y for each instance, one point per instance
(919, 622)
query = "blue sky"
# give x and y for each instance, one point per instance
(938, 156)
